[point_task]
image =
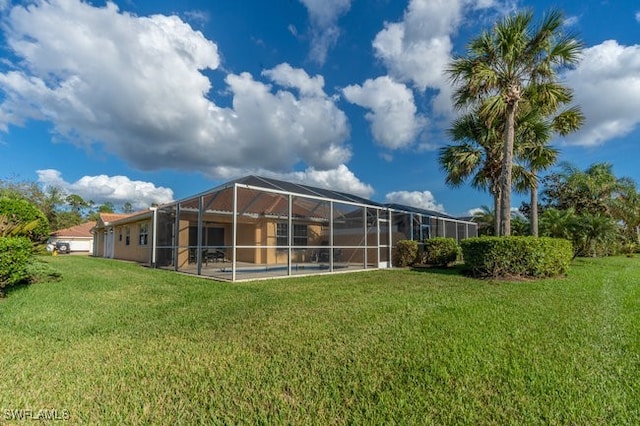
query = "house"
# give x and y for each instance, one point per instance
(79, 237)
(258, 227)
(113, 236)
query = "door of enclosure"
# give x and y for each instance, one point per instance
(384, 239)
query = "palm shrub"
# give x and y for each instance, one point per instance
(405, 253)
(594, 235)
(441, 251)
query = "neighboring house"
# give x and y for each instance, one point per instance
(257, 227)
(79, 237)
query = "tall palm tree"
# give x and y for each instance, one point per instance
(476, 154)
(507, 68)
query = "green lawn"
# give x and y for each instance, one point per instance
(116, 343)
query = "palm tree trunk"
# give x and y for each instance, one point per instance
(507, 165)
(534, 209)
(496, 212)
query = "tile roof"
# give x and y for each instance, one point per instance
(82, 230)
(111, 217)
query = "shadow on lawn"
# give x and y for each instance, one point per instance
(457, 269)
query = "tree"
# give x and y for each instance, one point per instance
(475, 155)
(557, 223)
(533, 149)
(106, 207)
(594, 235)
(485, 218)
(127, 207)
(511, 67)
(590, 191)
(625, 207)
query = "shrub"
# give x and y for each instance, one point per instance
(15, 255)
(441, 251)
(503, 257)
(22, 212)
(40, 271)
(405, 253)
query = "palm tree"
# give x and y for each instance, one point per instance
(557, 223)
(485, 218)
(625, 207)
(476, 155)
(533, 149)
(594, 234)
(508, 68)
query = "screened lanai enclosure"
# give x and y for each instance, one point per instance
(257, 227)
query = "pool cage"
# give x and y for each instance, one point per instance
(257, 227)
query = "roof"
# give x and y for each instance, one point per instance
(308, 201)
(425, 212)
(82, 230)
(284, 186)
(112, 217)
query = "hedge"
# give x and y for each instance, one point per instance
(405, 253)
(441, 251)
(506, 257)
(15, 256)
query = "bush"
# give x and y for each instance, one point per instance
(22, 212)
(15, 256)
(441, 251)
(405, 253)
(40, 271)
(527, 257)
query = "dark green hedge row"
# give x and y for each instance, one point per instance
(15, 256)
(440, 251)
(500, 257)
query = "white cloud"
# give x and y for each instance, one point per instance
(135, 84)
(606, 86)
(277, 130)
(474, 211)
(423, 200)
(638, 16)
(571, 21)
(418, 49)
(324, 15)
(115, 189)
(393, 117)
(339, 179)
(287, 76)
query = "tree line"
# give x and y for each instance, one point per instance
(62, 210)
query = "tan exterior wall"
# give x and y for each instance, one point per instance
(133, 249)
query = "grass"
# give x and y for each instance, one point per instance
(114, 343)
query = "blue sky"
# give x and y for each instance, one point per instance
(149, 101)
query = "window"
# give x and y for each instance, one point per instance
(282, 234)
(127, 235)
(143, 236)
(300, 234)
(120, 234)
